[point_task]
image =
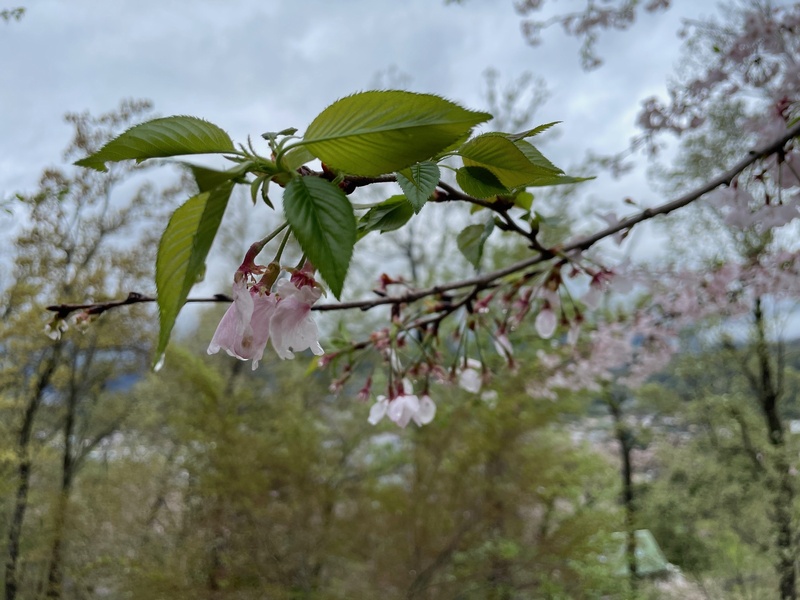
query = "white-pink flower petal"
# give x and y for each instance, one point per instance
(426, 412)
(243, 330)
(292, 327)
(378, 410)
(403, 408)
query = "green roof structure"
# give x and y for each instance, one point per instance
(650, 560)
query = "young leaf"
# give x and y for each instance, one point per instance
(168, 136)
(537, 158)
(479, 182)
(532, 132)
(322, 220)
(548, 180)
(472, 239)
(261, 183)
(297, 157)
(503, 158)
(418, 182)
(377, 132)
(182, 253)
(524, 200)
(389, 215)
(209, 179)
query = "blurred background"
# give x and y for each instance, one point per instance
(209, 480)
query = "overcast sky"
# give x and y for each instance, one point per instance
(263, 65)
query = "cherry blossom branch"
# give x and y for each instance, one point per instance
(582, 243)
(487, 279)
(97, 308)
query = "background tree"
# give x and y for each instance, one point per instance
(60, 392)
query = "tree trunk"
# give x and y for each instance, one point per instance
(499, 579)
(55, 570)
(24, 473)
(769, 393)
(625, 439)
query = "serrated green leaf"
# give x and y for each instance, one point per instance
(472, 239)
(167, 136)
(524, 200)
(502, 157)
(377, 132)
(297, 157)
(182, 253)
(208, 179)
(418, 182)
(479, 182)
(322, 220)
(549, 180)
(532, 132)
(391, 214)
(537, 158)
(261, 183)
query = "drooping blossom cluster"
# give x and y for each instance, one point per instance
(402, 406)
(585, 24)
(758, 55)
(629, 351)
(260, 314)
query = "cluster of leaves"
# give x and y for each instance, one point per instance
(366, 138)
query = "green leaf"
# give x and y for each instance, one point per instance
(261, 183)
(418, 182)
(537, 158)
(472, 239)
(168, 136)
(209, 179)
(502, 157)
(377, 132)
(524, 200)
(532, 132)
(548, 180)
(389, 215)
(322, 220)
(182, 253)
(297, 157)
(479, 182)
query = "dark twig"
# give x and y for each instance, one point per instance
(487, 279)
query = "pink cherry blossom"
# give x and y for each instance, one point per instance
(426, 412)
(292, 327)
(503, 345)
(546, 322)
(403, 408)
(470, 378)
(244, 329)
(378, 410)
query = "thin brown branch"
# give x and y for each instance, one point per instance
(582, 243)
(98, 308)
(487, 279)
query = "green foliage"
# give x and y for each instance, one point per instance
(551, 180)
(167, 136)
(182, 253)
(496, 153)
(377, 132)
(323, 222)
(480, 182)
(389, 215)
(368, 134)
(210, 179)
(418, 183)
(472, 240)
(537, 158)
(12, 14)
(532, 132)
